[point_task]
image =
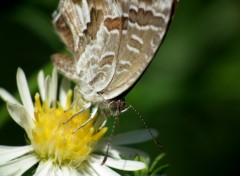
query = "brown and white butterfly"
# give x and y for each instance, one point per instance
(112, 43)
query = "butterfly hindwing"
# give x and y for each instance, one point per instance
(94, 39)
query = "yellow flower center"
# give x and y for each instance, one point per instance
(53, 139)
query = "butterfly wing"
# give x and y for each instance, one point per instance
(112, 41)
(93, 39)
(145, 23)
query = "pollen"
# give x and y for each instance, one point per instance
(55, 136)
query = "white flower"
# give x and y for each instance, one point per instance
(53, 146)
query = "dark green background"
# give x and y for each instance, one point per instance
(190, 93)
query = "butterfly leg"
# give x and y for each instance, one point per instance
(113, 133)
(77, 113)
(93, 114)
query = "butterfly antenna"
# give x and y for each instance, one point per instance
(113, 132)
(146, 126)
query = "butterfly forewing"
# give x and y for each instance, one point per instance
(112, 42)
(145, 23)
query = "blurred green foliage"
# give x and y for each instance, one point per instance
(190, 93)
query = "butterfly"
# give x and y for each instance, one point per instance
(111, 42)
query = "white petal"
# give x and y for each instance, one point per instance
(56, 171)
(8, 153)
(118, 151)
(126, 151)
(89, 171)
(47, 90)
(6, 96)
(84, 172)
(74, 172)
(21, 117)
(133, 137)
(102, 147)
(101, 169)
(50, 169)
(24, 92)
(44, 168)
(41, 85)
(18, 166)
(127, 165)
(53, 88)
(68, 171)
(65, 86)
(6, 147)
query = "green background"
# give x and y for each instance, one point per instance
(190, 93)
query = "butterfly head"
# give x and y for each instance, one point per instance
(117, 106)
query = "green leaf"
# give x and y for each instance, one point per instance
(155, 169)
(160, 170)
(156, 161)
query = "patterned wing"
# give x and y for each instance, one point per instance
(145, 23)
(91, 29)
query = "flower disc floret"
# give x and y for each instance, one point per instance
(55, 137)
